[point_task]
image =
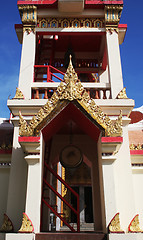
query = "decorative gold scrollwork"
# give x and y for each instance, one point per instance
(7, 225)
(69, 90)
(18, 94)
(27, 226)
(134, 225)
(122, 94)
(114, 225)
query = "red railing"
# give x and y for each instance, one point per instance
(76, 211)
(47, 72)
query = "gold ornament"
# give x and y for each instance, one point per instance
(69, 90)
(134, 226)
(7, 225)
(139, 147)
(70, 22)
(132, 147)
(24, 129)
(114, 225)
(27, 226)
(18, 94)
(122, 94)
(28, 13)
(64, 189)
(73, 89)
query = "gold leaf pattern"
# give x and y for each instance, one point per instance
(69, 90)
(114, 225)
(122, 94)
(27, 225)
(7, 225)
(135, 225)
(18, 94)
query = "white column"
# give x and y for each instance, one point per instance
(17, 183)
(27, 64)
(109, 190)
(33, 196)
(114, 63)
(124, 182)
(34, 187)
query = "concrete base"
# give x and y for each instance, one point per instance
(127, 236)
(17, 236)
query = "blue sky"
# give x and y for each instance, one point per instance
(131, 52)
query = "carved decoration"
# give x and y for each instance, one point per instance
(27, 226)
(28, 13)
(139, 147)
(132, 147)
(71, 89)
(64, 189)
(70, 22)
(112, 17)
(136, 147)
(7, 225)
(114, 225)
(18, 94)
(134, 226)
(122, 94)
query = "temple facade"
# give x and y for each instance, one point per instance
(71, 161)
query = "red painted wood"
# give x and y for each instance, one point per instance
(29, 139)
(72, 112)
(70, 236)
(122, 26)
(77, 212)
(136, 152)
(43, 2)
(5, 151)
(96, 2)
(58, 215)
(111, 139)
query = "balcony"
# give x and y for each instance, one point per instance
(47, 78)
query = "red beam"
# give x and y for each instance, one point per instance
(39, 2)
(101, 2)
(5, 151)
(136, 152)
(29, 139)
(111, 139)
(122, 26)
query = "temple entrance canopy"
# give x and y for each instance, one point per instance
(71, 125)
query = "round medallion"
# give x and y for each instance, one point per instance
(71, 156)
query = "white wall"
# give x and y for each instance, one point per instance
(4, 181)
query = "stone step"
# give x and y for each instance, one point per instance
(70, 236)
(85, 227)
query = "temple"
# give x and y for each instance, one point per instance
(71, 156)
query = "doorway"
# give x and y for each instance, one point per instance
(86, 207)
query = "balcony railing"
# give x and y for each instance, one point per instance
(47, 78)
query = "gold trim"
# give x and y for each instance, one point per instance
(28, 13)
(27, 225)
(18, 94)
(69, 90)
(134, 226)
(112, 17)
(64, 189)
(114, 225)
(122, 94)
(7, 225)
(136, 147)
(70, 23)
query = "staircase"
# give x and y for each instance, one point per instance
(84, 227)
(70, 236)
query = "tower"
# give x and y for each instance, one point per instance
(71, 166)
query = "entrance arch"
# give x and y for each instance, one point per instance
(88, 144)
